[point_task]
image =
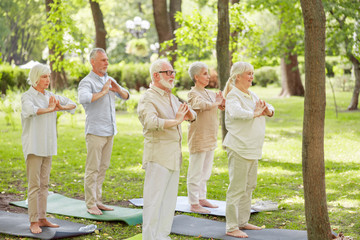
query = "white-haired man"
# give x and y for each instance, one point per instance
(161, 115)
(97, 92)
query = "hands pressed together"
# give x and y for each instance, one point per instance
(261, 109)
(183, 113)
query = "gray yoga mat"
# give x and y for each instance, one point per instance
(18, 225)
(191, 226)
(182, 205)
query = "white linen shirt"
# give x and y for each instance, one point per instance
(100, 114)
(245, 133)
(39, 131)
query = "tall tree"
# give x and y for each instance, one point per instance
(317, 219)
(165, 24)
(222, 51)
(286, 43)
(100, 38)
(19, 33)
(58, 76)
(344, 32)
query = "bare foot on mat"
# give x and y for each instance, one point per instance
(198, 209)
(35, 228)
(104, 208)
(250, 227)
(94, 211)
(237, 233)
(45, 223)
(206, 203)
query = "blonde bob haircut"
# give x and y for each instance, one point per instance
(236, 69)
(36, 72)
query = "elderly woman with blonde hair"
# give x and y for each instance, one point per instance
(245, 121)
(39, 140)
(202, 136)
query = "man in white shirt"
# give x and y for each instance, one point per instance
(97, 92)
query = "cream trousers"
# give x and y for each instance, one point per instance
(199, 172)
(160, 194)
(38, 173)
(97, 162)
(242, 175)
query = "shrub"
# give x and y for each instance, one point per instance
(12, 77)
(266, 75)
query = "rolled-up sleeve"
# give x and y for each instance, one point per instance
(28, 109)
(84, 92)
(66, 101)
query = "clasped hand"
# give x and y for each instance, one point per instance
(183, 113)
(261, 109)
(54, 104)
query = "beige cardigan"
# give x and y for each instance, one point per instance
(202, 133)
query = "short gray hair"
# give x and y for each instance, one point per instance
(195, 69)
(36, 72)
(94, 52)
(156, 66)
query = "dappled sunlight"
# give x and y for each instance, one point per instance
(293, 200)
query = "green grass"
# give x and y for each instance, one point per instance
(279, 174)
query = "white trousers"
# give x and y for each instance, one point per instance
(242, 175)
(38, 173)
(199, 172)
(160, 194)
(97, 162)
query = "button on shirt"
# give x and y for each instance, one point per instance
(100, 114)
(161, 145)
(245, 133)
(39, 131)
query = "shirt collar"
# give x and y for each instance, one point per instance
(36, 92)
(242, 93)
(94, 75)
(157, 89)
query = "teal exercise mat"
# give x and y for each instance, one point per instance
(191, 226)
(182, 205)
(18, 225)
(59, 204)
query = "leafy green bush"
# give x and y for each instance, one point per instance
(12, 77)
(266, 75)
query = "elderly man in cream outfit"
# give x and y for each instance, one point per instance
(161, 115)
(245, 121)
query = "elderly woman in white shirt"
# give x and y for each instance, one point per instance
(38, 118)
(245, 121)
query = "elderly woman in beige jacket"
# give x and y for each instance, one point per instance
(245, 121)
(202, 136)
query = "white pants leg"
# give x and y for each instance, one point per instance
(199, 172)
(160, 194)
(243, 176)
(97, 162)
(38, 173)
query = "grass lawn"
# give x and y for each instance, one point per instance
(279, 173)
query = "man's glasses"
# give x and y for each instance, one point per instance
(168, 72)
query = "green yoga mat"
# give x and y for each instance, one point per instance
(62, 205)
(136, 237)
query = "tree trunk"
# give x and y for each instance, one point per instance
(164, 23)
(355, 97)
(100, 41)
(234, 36)
(58, 78)
(317, 219)
(290, 76)
(222, 51)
